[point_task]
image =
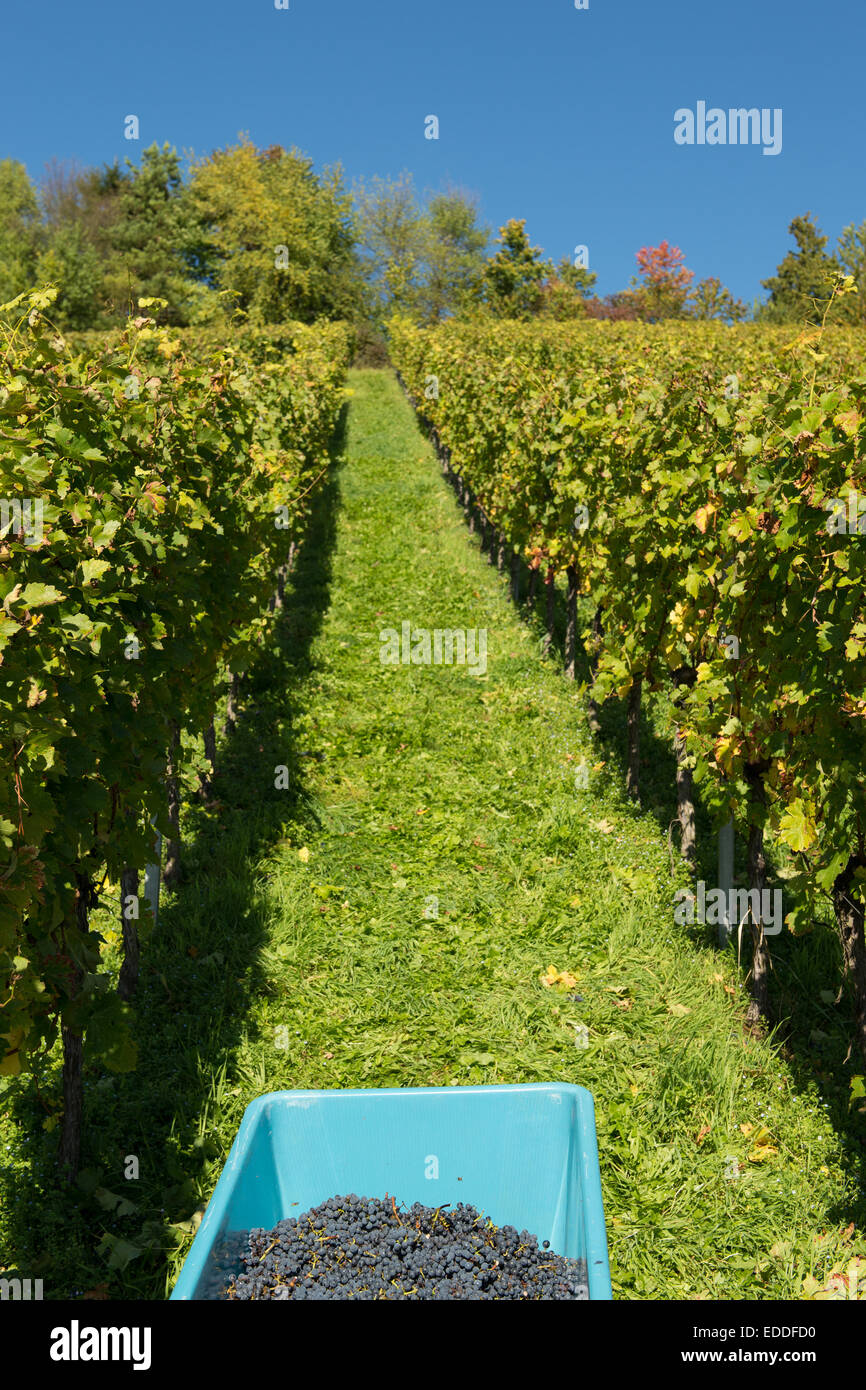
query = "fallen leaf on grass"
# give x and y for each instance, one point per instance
(304, 855)
(562, 979)
(679, 1010)
(839, 1284)
(623, 1003)
(702, 1133)
(605, 826)
(764, 1148)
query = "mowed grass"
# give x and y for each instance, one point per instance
(385, 922)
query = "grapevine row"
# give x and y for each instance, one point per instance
(153, 485)
(700, 488)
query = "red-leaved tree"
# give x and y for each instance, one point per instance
(663, 283)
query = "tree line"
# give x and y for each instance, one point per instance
(262, 235)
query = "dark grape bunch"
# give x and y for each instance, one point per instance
(369, 1248)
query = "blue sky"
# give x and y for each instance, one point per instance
(561, 116)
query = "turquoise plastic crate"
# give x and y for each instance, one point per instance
(526, 1156)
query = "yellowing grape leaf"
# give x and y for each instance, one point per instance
(796, 827)
(847, 420)
(740, 528)
(702, 516)
(10, 1065)
(94, 569)
(727, 751)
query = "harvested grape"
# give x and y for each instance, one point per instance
(370, 1248)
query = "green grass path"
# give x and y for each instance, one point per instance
(443, 791)
(386, 923)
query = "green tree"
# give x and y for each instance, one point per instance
(453, 256)
(803, 284)
(515, 275)
(851, 255)
(79, 208)
(567, 290)
(424, 262)
(73, 263)
(20, 230)
(154, 238)
(274, 234)
(710, 300)
(391, 232)
(70, 193)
